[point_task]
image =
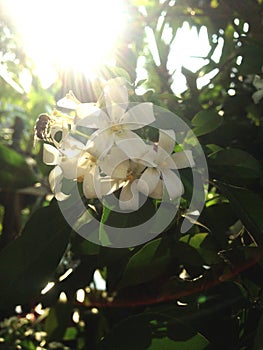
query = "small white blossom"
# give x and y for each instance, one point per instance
(161, 161)
(118, 167)
(258, 95)
(116, 125)
(112, 156)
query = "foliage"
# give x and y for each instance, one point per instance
(197, 290)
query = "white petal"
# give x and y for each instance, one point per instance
(67, 103)
(137, 166)
(100, 143)
(50, 155)
(172, 183)
(183, 159)
(107, 185)
(131, 144)
(148, 181)
(69, 168)
(71, 147)
(148, 159)
(138, 116)
(89, 189)
(55, 181)
(70, 101)
(95, 186)
(158, 192)
(258, 82)
(166, 141)
(129, 197)
(257, 96)
(116, 97)
(116, 112)
(84, 164)
(115, 164)
(92, 117)
(115, 91)
(166, 162)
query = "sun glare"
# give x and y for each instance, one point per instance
(69, 34)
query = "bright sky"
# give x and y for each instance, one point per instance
(189, 49)
(69, 32)
(82, 33)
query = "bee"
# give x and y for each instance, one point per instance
(42, 126)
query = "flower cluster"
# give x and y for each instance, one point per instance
(99, 147)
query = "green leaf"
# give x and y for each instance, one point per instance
(113, 218)
(203, 244)
(140, 82)
(188, 255)
(235, 163)
(130, 334)
(248, 207)
(197, 342)
(152, 331)
(209, 217)
(29, 262)
(151, 261)
(14, 170)
(252, 57)
(59, 318)
(71, 333)
(81, 246)
(205, 122)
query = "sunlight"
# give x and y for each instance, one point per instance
(189, 48)
(66, 34)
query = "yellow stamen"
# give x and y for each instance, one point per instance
(116, 127)
(130, 177)
(92, 159)
(80, 178)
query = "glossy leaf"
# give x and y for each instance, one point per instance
(59, 318)
(14, 170)
(29, 262)
(151, 261)
(197, 342)
(203, 244)
(132, 333)
(248, 207)
(235, 163)
(205, 122)
(118, 219)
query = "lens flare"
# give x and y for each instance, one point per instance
(69, 34)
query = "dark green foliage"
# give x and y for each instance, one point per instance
(198, 290)
(24, 266)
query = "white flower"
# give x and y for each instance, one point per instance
(114, 156)
(74, 162)
(117, 125)
(95, 183)
(70, 101)
(65, 158)
(127, 171)
(258, 83)
(161, 161)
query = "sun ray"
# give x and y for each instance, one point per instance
(78, 34)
